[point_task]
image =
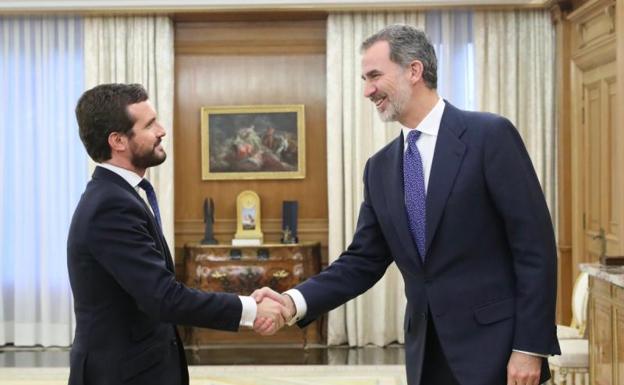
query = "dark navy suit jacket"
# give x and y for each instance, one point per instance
(489, 276)
(127, 300)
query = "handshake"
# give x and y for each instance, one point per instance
(274, 311)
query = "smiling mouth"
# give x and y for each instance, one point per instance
(379, 102)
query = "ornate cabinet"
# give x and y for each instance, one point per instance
(606, 324)
(601, 333)
(619, 335)
(241, 270)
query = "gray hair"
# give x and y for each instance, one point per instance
(406, 45)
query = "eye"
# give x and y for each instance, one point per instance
(150, 124)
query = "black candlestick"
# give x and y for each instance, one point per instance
(209, 221)
(289, 222)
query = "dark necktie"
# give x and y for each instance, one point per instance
(151, 198)
(414, 187)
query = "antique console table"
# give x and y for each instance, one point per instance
(606, 323)
(241, 270)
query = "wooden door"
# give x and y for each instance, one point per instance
(596, 142)
(600, 195)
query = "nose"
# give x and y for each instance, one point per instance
(369, 89)
(161, 131)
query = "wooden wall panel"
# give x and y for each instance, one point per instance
(619, 118)
(565, 276)
(249, 63)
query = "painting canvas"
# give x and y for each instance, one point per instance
(253, 142)
(249, 218)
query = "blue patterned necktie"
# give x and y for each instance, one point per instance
(151, 198)
(415, 195)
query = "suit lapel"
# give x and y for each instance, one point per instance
(102, 173)
(395, 199)
(159, 234)
(447, 158)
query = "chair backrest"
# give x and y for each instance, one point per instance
(580, 299)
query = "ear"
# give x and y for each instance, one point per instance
(117, 141)
(416, 71)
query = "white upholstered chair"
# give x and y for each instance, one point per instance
(572, 366)
(580, 299)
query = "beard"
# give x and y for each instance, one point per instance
(149, 159)
(396, 104)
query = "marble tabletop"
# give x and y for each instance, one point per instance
(613, 274)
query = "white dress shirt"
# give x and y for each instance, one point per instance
(249, 304)
(426, 142)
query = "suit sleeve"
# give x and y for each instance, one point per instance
(355, 271)
(120, 241)
(518, 197)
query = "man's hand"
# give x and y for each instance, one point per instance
(265, 326)
(523, 369)
(270, 316)
(284, 299)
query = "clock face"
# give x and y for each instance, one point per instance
(249, 201)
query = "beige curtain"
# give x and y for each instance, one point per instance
(514, 70)
(138, 49)
(354, 133)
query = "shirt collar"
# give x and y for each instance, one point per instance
(131, 177)
(430, 125)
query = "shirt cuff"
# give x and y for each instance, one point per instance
(250, 308)
(531, 353)
(301, 306)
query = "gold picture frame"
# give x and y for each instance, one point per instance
(253, 142)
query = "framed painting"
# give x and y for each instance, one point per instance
(253, 142)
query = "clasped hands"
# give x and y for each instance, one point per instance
(274, 311)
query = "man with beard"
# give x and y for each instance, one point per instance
(127, 301)
(455, 202)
